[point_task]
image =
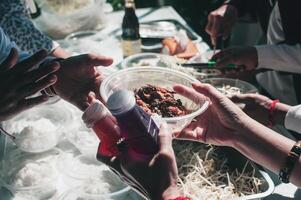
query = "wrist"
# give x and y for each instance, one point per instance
(169, 193)
(242, 133)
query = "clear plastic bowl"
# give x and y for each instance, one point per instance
(79, 171)
(44, 189)
(46, 137)
(243, 86)
(85, 140)
(133, 78)
(77, 194)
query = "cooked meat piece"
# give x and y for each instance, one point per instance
(158, 100)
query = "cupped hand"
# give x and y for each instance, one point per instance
(154, 179)
(255, 105)
(78, 80)
(220, 123)
(258, 107)
(241, 56)
(19, 81)
(221, 22)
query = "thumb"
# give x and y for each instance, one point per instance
(96, 60)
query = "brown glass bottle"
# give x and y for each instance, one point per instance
(131, 41)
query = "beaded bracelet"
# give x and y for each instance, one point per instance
(293, 157)
(271, 112)
(181, 198)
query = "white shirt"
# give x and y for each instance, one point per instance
(281, 57)
(293, 119)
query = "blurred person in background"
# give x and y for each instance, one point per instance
(16, 23)
(279, 20)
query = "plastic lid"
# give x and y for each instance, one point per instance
(121, 102)
(94, 112)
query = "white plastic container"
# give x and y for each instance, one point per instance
(134, 78)
(31, 174)
(85, 140)
(62, 17)
(91, 178)
(38, 129)
(242, 87)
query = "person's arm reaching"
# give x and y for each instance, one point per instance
(224, 123)
(222, 20)
(279, 57)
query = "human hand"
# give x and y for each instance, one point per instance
(241, 56)
(18, 83)
(78, 80)
(258, 107)
(221, 21)
(155, 179)
(220, 124)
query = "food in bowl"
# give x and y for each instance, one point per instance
(137, 77)
(106, 182)
(38, 129)
(229, 90)
(159, 100)
(31, 174)
(205, 172)
(229, 86)
(33, 136)
(90, 177)
(84, 139)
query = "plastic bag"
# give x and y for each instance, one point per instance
(62, 17)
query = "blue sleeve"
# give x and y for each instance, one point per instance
(6, 45)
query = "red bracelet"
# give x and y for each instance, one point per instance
(181, 198)
(271, 112)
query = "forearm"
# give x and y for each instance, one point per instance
(280, 57)
(267, 148)
(60, 53)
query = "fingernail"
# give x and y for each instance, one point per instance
(53, 79)
(55, 66)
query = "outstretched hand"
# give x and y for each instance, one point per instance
(78, 80)
(19, 81)
(220, 124)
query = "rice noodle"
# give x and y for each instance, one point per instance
(204, 174)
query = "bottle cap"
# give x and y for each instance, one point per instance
(96, 111)
(121, 102)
